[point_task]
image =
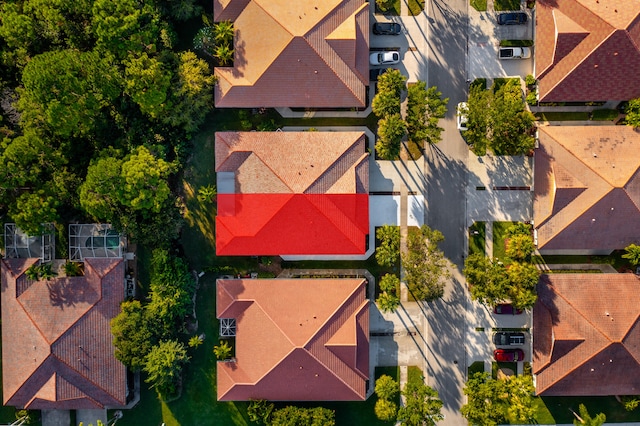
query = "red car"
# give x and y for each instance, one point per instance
(506, 309)
(508, 355)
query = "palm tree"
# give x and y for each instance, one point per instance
(632, 254)
(585, 419)
(222, 351)
(33, 273)
(224, 54)
(47, 272)
(224, 32)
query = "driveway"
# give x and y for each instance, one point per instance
(484, 39)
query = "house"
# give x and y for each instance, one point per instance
(585, 50)
(295, 339)
(587, 189)
(586, 335)
(292, 193)
(57, 350)
(306, 54)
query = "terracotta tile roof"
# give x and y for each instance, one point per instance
(315, 55)
(587, 188)
(292, 193)
(585, 49)
(586, 335)
(57, 350)
(302, 340)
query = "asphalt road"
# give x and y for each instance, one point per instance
(446, 176)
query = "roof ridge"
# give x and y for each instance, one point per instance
(345, 219)
(83, 377)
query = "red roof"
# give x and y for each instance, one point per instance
(57, 350)
(315, 55)
(296, 340)
(291, 193)
(585, 50)
(586, 335)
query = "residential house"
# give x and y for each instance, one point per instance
(586, 330)
(587, 189)
(587, 50)
(57, 347)
(295, 339)
(292, 193)
(305, 54)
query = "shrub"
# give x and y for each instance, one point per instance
(530, 80)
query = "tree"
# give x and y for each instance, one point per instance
(196, 341)
(391, 130)
(632, 112)
(259, 411)
(425, 266)
(223, 33)
(32, 209)
(385, 410)
(164, 364)
(223, 350)
(224, 54)
(523, 279)
(585, 418)
(385, 103)
(520, 247)
(422, 407)
(484, 405)
(632, 253)
(147, 81)
(133, 335)
(296, 416)
(388, 300)
(477, 133)
(519, 392)
(386, 387)
(425, 107)
(180, 10)
(388, 250)
(384, 5)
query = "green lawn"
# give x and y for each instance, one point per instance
(499, 234)
(556, 410)
(495, 366)
(563, 116)
(615, 259)
(415, 7)
(506, 4)
(477, 237)
(476, 367)
(604, 114)
(479, 5)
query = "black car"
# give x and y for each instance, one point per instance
(386, 28)
(512, 18)
(505, 338)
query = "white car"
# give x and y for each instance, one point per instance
(384, 58)
(462, 118)
(514, 53)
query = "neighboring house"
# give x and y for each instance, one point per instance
(296, 339)
(306, 54)
(587, 189)
(57, 350)
(292, 193)
(587, 50)
(586, 334)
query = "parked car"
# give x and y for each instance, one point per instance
(506, 309)
(506, 338)
(386, 28)
(514, 53)
(462, 117)
(508, 355)
(512, 18)
(384, 58)
(374, 73)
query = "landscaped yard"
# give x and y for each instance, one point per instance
(415, 7)
(499, 234)
(506, 4)
(477, 237)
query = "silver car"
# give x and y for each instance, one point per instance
(384, 58)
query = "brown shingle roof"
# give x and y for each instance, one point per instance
(57, 350)
(587, 188)
(315, 54)
(305, 340)
(585, 339)
(585, 49)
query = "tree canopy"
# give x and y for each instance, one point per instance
(425, 108)
(426, 268)
(388, 248)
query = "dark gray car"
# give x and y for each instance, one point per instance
(512, 18)
(506, 338)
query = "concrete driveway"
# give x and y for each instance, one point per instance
(484, 39)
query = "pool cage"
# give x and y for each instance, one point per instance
(94, 240)
(19, 245)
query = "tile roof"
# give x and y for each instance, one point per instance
(585, 49)
(57, 350)
(302, 340)
(587, 188)
(315, 55)
(586, 335)
(292, 193)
